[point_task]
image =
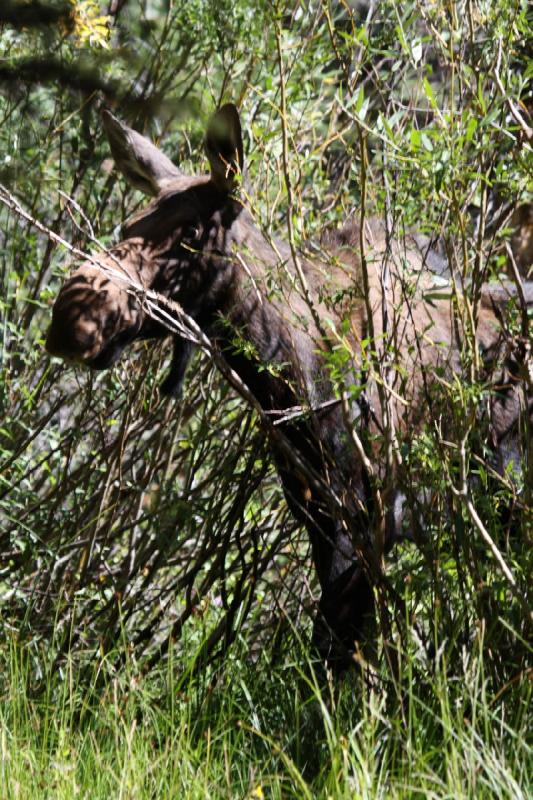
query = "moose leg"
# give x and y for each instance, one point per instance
(181, 355)
(346, 610)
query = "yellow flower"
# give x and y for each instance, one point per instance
(90, 26)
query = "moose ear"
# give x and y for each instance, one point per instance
(223, 146)
(143, 165)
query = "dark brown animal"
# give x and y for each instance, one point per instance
(345, 350)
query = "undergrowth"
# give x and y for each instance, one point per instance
(253, 729)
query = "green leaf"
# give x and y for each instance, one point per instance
(429, 93)
(471, 129)
(417, 50)
(415, 138)
(360, 99)
(426, 141)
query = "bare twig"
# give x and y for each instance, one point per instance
(526, 129)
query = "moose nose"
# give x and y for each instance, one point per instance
(66, 340)
(54, 344)
(57, 345)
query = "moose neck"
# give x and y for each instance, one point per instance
(268, 337)
(239, 288)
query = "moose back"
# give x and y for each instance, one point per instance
(284, 322)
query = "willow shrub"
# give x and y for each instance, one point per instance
(125, 513)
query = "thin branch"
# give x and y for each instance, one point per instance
(505, 570)
(527, 129)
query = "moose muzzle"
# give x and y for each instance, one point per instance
(93, 319)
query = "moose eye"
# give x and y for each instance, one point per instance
(191, 232)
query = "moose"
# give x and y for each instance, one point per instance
(343, 348)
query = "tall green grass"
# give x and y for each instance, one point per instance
(256, 730)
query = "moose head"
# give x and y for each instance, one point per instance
(198, 244)
(179, 245)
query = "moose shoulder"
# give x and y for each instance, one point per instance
(343, 350)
